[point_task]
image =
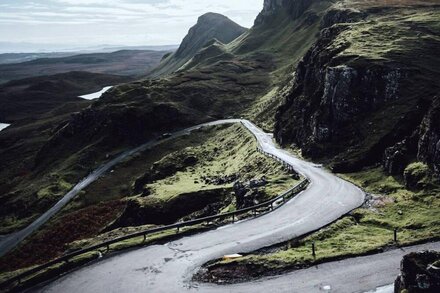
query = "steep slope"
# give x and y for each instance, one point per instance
(360, 96)
(222, 80)
(35, 106)
(352, 92)
(209, 26)
(219, 81)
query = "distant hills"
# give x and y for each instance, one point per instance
(35, 48)
(8, 58)
(28, 98)
(19, 57)
(125, 62)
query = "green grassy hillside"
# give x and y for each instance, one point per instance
(360, 94)
(350, 83)
(186, 185)
(369, 229)
(30, 97)
(240, 85)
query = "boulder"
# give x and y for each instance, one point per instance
(420, 273)
(415, 174)
(395, 158)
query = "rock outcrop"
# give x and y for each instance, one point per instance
(159, 212)
(354, 108)
(248, 193)
(429, 142)
(420, 273)
(273, 9)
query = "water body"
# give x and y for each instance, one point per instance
(96, 95)
(3, 126)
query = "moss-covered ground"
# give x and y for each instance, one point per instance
(220, 150)
(390, 205)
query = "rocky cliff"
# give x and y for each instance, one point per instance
(359, 96)
(275, 8)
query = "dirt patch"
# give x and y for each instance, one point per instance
(50, 242)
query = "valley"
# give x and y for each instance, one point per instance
(125, 63)
(343, 93)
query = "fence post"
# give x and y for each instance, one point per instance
(145, 237)
(233, 218)
(313, 249)
(395, 235)
(178, 230)
(255, 212)
(271, 206)
(108, 247)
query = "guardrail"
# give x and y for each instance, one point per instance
(270, 204)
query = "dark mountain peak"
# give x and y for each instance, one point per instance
(212, 16)
(208, 27)
(271, 9)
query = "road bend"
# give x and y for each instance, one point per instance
(170, 267)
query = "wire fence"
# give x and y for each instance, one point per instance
(256, 210)
(269, 205)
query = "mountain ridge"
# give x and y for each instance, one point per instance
(208, 27)
(123, 62)
(275, 63)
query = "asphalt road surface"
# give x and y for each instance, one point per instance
(170, 267)
(8, 242)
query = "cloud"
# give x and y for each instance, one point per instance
(133, 22)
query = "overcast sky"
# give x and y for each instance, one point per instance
(79, 23)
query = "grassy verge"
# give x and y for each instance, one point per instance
(368, 229)
(222, 150)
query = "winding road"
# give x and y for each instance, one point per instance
(170, 267)
(8, 242)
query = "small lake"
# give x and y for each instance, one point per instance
(3, 126)
(96, 95)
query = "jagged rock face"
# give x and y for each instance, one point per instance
(423, 145)
(271, 9)
(396, 158)
(328, 98)
(420, 272)
(429, 143)
(355, 110)
(334, 16)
